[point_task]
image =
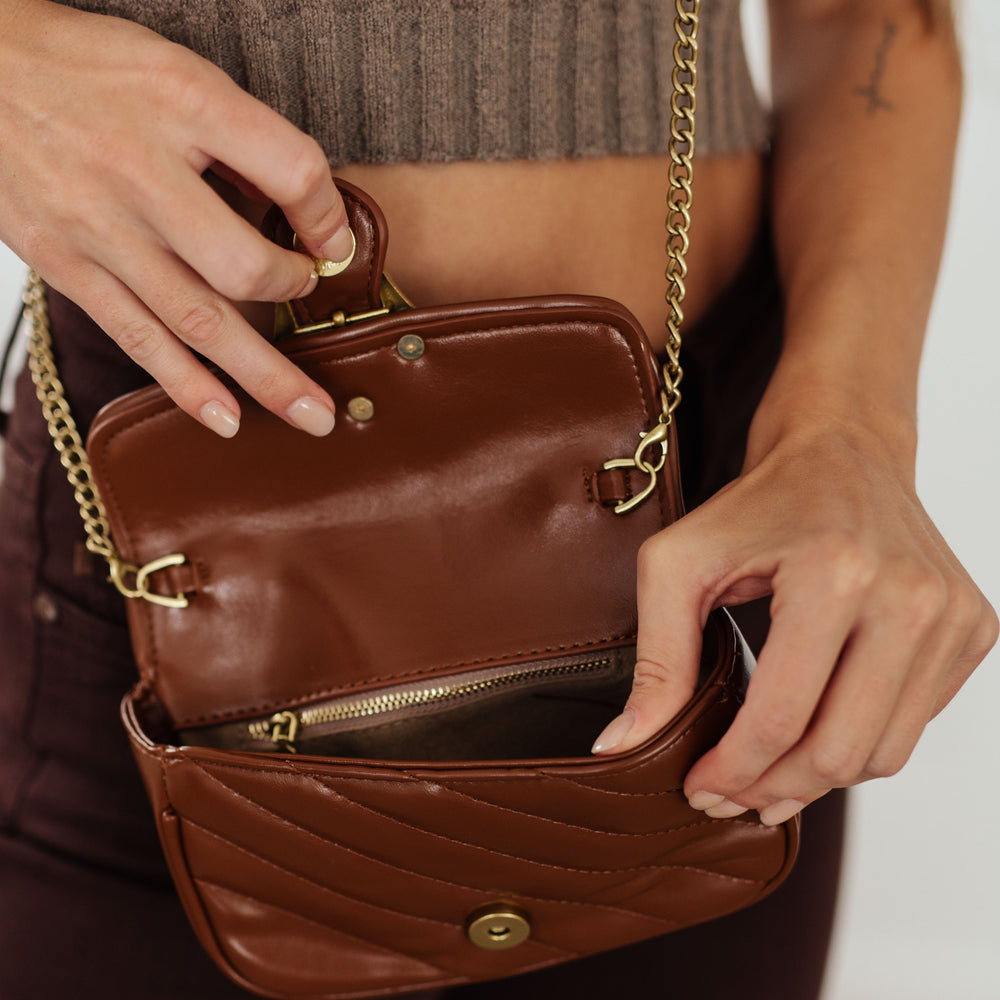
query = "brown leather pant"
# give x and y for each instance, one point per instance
(87, 907)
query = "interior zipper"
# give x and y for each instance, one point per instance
(285, 729)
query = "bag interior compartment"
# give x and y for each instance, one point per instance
(548, 709)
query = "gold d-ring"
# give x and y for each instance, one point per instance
(324, 268)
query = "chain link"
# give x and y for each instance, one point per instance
(62, 427)
(683, 105)
(130, 580)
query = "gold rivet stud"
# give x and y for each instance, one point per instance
(410, 347)
(361, 408)
(498, 927)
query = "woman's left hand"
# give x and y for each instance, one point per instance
(874, 623)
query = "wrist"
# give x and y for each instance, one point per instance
(803, 412)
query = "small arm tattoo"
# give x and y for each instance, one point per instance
(873, 90)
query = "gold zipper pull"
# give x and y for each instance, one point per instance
(283, 728)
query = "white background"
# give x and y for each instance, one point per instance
(920, 917)
(920, 914)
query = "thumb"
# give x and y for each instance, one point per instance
(668, 648)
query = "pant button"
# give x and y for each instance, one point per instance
(45, 608)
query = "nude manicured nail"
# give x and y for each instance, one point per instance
(312, 416)
(218, 417)
(614, 733)
(780, 811)
(705, 800)
(725, 810)
(339, 246)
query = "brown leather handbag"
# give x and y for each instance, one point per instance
(372, 664)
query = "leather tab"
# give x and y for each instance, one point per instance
(356, 290)
(610, 487)
(182, 579)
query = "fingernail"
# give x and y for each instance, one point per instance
(780, 811)
(312, 416)
(614, 733)
(218, 417)
(340, 246)
(705, 800)
(725, 810)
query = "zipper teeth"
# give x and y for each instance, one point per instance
(385, 703)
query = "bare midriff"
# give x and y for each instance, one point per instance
(471, 230)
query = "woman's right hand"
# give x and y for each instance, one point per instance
(107, 129)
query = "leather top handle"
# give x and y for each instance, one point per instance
(357, 289)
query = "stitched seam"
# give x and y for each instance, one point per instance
(300, 916)
(387, 864)
(243, 849)
(516, 857)
(108, 496)
(565, 824)
(544, 864)
(445, 978)
(446, 925)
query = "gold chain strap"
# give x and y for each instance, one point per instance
(133, 581)
(62, 427)
(651, 452)
(683, 105)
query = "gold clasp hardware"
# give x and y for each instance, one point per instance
(657, 436)
(122, 570)
(287, 325)
(338, 319)
(284, 730)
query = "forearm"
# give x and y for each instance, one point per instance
(867, 100)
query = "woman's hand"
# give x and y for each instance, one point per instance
(875, 625)
(107, 129)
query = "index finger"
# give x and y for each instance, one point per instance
(793, 670)
(285, 164)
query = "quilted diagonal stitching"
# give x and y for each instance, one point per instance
(452, 980)
(350, 897)
(533, 861)
(277, 817)
(576, 826)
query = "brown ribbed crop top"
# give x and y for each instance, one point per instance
(382, 81)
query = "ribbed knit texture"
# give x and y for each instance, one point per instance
(382, 81)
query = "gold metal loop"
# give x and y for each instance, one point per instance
(659, 435)
(324, 268)
(121, 572)
(145, 572)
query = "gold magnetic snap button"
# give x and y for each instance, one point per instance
(410, 347)
(498, 927)
(361, 408)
